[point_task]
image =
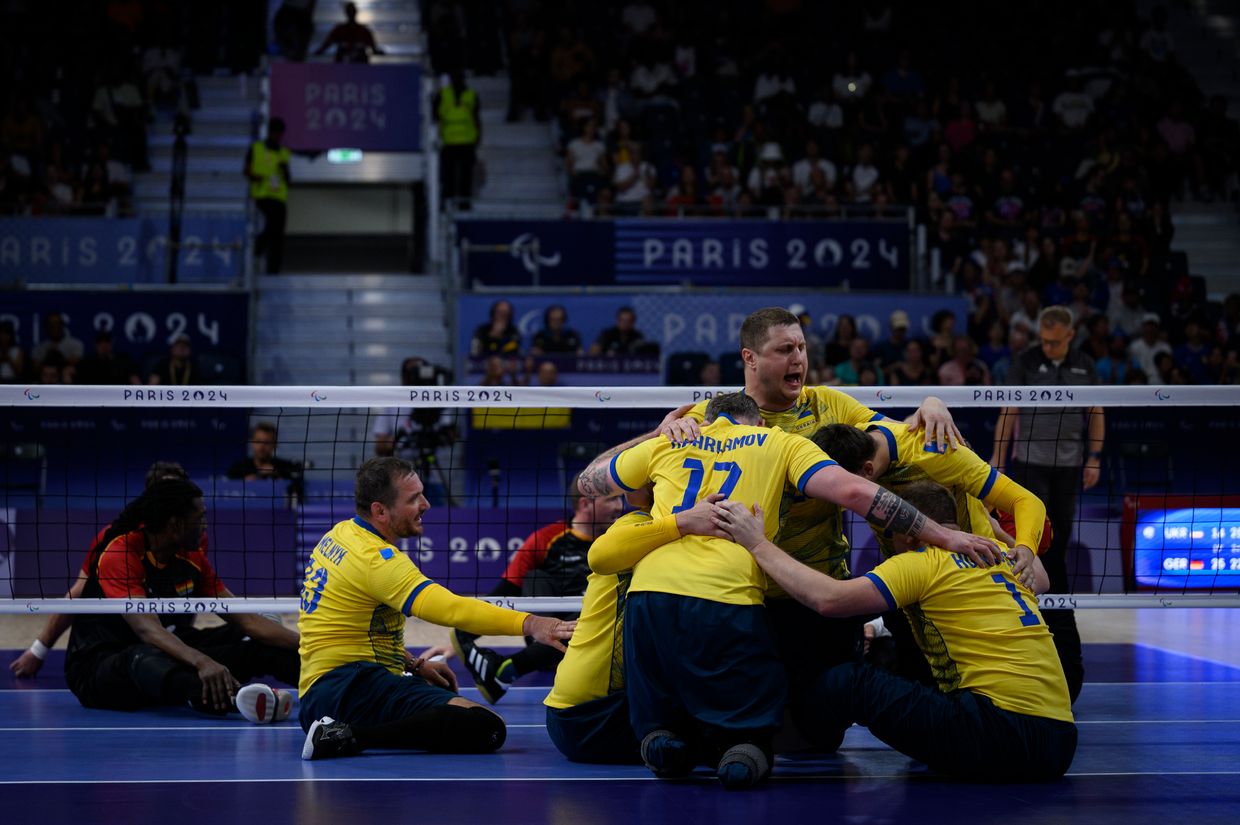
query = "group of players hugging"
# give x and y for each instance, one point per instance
(719, 622)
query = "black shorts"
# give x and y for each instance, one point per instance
(367, 694)
(597, 731)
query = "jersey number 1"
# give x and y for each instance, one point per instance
(1029, 618)
(697, 472)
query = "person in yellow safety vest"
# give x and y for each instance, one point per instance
(460, 131)
(266, 168)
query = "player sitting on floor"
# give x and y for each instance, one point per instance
(134, 661)
(358, 591)
(703, 680)
(1001, 711)
(31, 661)
(587, 708)
(551, 562)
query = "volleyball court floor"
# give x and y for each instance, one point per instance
(1159, 741)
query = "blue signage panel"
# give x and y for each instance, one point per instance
(120, 250)
(857, 254)
(867, 255)
(142, 324)
(698, 322)
(548, 253)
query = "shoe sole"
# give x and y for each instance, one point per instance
(258, 704)
(284, 705)
(307, 750)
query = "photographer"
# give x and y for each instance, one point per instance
(424, 436)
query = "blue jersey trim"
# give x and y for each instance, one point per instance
(727, 418)
(616, 476)
(413, 596)
(367, 526)
(805, 414)
(891, 443)
(878, 417)
(882, 588)
(990, 483)
(805, 476)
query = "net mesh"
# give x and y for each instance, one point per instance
(1161, 527)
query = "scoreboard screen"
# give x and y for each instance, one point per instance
(1182, 542)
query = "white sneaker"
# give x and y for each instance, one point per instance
(261, 704)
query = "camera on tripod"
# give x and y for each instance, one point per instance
(431, 430)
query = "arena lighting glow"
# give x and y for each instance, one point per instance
(344, 155)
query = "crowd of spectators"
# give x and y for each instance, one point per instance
(814, 109)
(83, 83)
(59, 357)
(1052, 185)
(508, 359)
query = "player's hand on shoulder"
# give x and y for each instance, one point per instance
(677, 428)
(1022, 564)
(981, 551)
(549, 631)
(940, 428)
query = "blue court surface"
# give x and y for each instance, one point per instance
(1160, 742)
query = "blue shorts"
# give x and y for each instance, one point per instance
(366, 694)
(597, 731)
(690, 661)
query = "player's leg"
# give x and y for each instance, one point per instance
(1061, 507)
(597, 732)
(809, 645)
(657, 716)
(106, 681)
(491, 671)
(732, 682)
(363, 705)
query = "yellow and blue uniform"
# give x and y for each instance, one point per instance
(357, 593)
(811, 531)
(980, 628)
(745, 463)
(587, 710)
(970, 480)
(719, 668)
(1000, 711)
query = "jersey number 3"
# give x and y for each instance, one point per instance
(312, 587)
(697, 472)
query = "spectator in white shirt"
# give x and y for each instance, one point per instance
(1146, 349)
(1073, 106)
(586, 159)
(634, 178)
(852, 84)
(865, 175)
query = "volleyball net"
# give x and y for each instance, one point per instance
(1160, 528)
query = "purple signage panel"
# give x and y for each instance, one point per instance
(348, 105)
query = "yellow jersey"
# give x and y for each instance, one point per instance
(748, 464)
(355, 597)
(811, 531)
(969, 479)
(979, 628)
(593, 665)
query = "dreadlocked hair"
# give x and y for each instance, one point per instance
(161, 502)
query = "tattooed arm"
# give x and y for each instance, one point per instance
(595, 480)
(887, 511)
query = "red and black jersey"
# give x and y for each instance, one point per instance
(126, 568)
(88, 564)
(559, 554)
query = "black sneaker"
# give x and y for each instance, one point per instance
(492, 673)
(742, 767)
(667, 755)
(328, 738)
